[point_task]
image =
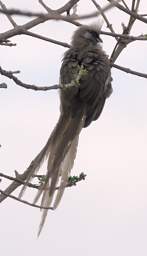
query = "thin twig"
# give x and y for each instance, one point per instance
(19, 181)
(73, 180)
(103, 15)
(46, 39)
(8, 16)
(24, 201)
(125, 4)
(125, 36)
(133, 14)
(15, 184)
(27, 86)
(122, 43)
(20, 29)
(52, 16)
(130, 71)
(49, 10)
(7, 44)
(22, 177)
(3, 86)
(55, 14)
(69, 5)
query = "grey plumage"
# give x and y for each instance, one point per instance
(85, 79)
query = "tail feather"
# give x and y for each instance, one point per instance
(44, 153)
(66, 167)
(45, 211)
(60, 166)
(60, 152)
(34, 168)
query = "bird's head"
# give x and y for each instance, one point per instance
(86, 36)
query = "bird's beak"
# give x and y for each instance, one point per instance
(100, 40)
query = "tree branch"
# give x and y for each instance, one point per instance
(49, 10)
(132, 13)
(10, 75)
(23, 201)
(55, 15)
(19, 180)
(103, 15)
(129, 38)
(3, 86)
(4, 8)
(122, 43)
(130, 71)
(46, 39)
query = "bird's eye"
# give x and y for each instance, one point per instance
(92, 35)
(88, 35)
(96, 36)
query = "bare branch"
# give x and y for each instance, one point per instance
(69, 5)
(121, 44)
(46, 39)
(53, 15)
(49, 10)
(103, 15)
(7, 44)
(27, 86)
(24, 201)
(125, 4)
(56, 14)
(73, 180)
(3, 86)
(18, 180)
(130, 71)
(21, 29)
(8, 16)
(133, 14)
(129, 38)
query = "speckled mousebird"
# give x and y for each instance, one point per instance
(85, 81)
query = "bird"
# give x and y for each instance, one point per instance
(85, 84)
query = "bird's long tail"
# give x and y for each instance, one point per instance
(60, 152)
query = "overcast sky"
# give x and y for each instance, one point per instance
(106, 214)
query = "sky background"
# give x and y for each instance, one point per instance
(106, 214)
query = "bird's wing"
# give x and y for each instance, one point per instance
(96, 86)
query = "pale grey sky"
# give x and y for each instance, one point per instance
(106, 214)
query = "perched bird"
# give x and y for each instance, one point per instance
(85, 81)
